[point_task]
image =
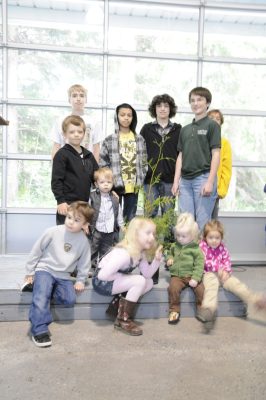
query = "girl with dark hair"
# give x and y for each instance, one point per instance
(125, 153)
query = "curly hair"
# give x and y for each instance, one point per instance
(162, 98)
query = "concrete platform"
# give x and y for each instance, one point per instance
(91, 360)
(14, 305)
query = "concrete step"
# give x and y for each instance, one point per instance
(14, 305)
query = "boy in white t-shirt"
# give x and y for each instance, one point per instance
(77, 96)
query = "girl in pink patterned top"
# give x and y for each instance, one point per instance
(218, 271)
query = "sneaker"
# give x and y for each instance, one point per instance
(173, 317)
(42, 340)
(27, 287)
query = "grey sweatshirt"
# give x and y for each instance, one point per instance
(59, 252)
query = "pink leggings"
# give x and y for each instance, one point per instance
(134, 285)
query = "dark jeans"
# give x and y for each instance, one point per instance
(130, 202)
(45, 288)
(101, 243)
(60, 219)
(158, 191)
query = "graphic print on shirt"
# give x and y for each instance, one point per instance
(128, 161)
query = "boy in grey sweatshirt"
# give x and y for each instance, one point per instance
(53, 258)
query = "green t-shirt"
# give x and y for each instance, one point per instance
(196, 142)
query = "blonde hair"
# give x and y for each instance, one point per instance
(213, 225)
(187, 221)
(105, 172)
(74, 120)
(130, 241)
(76, 88)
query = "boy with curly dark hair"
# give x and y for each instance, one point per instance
(161, 137)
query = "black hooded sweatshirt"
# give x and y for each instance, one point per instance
(72, 175)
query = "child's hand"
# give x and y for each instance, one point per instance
(223, 275)
(62, 208)
(115, 194)
(193, 283)
(79, 287)
(159, 253)
(29, 278)
(170, 262)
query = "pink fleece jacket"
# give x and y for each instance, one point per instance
(215, 259)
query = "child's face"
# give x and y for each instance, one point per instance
(104, 184)
(183, 236)
(213, 239)
(198, 105)
(125, 117)
(162, 110)
(146, 236)
(77, 100)
(75, 223)
(216, 117)
(74, 135)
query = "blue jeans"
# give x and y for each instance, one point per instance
(46, 287)
(154, 193)
(191, 200)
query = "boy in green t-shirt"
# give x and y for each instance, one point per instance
(199, 146)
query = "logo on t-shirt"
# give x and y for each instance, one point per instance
(202, 132)
(67, 247)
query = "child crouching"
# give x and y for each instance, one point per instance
(186, 263)
(53, 258)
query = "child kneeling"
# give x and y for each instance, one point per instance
(186, 263)
(58, 252)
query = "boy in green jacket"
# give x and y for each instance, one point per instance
(186, 265)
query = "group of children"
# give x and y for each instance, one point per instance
(169, 161)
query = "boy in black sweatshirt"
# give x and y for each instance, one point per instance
(73, 168)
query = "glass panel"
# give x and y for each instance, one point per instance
(235, 33)
(31, 128)
(247, 137)
(1, 169)
(34, 74)
(153, 28)
(1, 23)
(29, 184)
(246, 190)
(173, 77)
(235, 86)
(76, 23)
(1, 74)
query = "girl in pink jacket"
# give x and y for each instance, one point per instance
(218, 271)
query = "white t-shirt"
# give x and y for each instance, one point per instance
(93, 132)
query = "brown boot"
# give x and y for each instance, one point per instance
(124, 318)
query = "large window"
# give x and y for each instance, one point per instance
(129, 51)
